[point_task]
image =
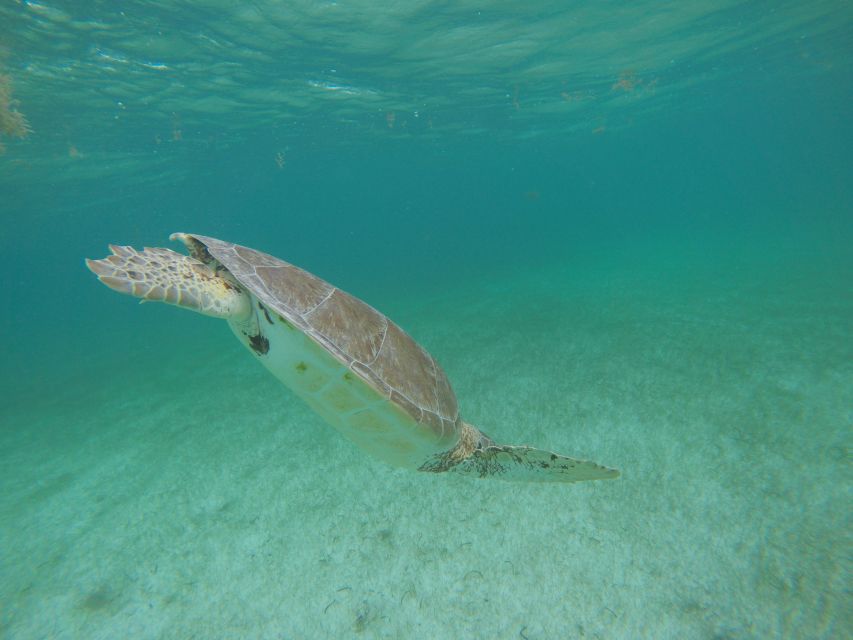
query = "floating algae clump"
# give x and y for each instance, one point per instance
(12, 122)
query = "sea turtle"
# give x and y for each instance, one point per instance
(350, 363)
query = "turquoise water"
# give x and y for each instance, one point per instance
(624, 231)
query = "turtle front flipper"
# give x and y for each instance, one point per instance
(163, 275)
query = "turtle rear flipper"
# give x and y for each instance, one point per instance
(522, 464)
(162, 275)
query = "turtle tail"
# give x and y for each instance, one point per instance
(162, 275)
(477, 455)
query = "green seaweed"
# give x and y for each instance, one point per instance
(13, 123)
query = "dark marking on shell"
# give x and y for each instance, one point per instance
(199, 251)
(302, 367)
(266, 313)
(259, 344)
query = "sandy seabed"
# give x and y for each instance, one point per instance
(199, 499)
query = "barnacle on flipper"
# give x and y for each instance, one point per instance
(13, 123)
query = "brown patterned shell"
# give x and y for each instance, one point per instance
(356, 334)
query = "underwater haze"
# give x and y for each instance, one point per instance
(624, 230)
